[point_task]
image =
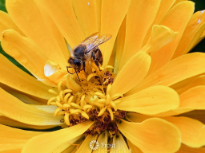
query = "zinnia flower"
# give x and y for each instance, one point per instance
(147, 96)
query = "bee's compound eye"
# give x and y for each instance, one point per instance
(77, 62)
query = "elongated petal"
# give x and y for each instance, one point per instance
(132, 73)
(86, 13)
(112, 15)
(85, 146)
(42, 144)
(103, 141)
(192, 131)
(191, 34)
(27, 16)
(63, 15)
(15, 78)
(119, 145)
(12, 151)
(139, 18)
(195, 81)
(193, 98)
(133, 148)
(64, 146)
(53, 29)
(176, 19)
(150, 101)
(7, 23)
(175, 71)
(9, 122)
(12, 138)
(152, 136)
(160, 36)
(25, 52)
(19, 111)
(163, 9)
(120, 46)
(136, 117)
(186, 149)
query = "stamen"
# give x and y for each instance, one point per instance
(102, 111)
(88, 99)
(90, 76)
(84, 114)
(111, 113)
(57, 111)
(66, 119)
(51, 100)
(75, 105)
(53, 91)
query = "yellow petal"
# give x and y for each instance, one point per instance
(196, 81)
(160, 36)
(72, 147)
(54, 29)
(191, 34)
(63, 15)
(120, 46)
(163, 9)
(152, 136)
(19, 111)
(15, 78)
(85, 146)
(112, 15)
(119, 145)
(193, 98)
(196, 114)
(139, 18)
(150, 101)
(12, 138)
(25, 52)
(102, 140)
(7, 23)
(131, 74)
(12, 151)
(136, 117)
(86, 13)
(192, 131)
(186, 149)
(175, 71)
(42, 144)
(133, 148)
(9, 122)
(29, 19)
(176, 19)
(68, 144)
(54, 72)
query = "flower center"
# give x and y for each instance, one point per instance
(88, 99)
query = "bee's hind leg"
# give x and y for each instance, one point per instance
(96, 62)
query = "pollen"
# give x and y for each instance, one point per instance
(88, 99)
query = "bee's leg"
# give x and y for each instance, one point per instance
(84, 66)
(77, 75)
(96, 62)
(68, 68)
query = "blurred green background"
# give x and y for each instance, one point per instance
(199, 5)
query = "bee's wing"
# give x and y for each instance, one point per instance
(96, 42)
(90, 39)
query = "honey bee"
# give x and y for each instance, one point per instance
(86, 50)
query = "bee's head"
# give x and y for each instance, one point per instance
(75, 63)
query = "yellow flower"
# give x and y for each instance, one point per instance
(130, 108)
